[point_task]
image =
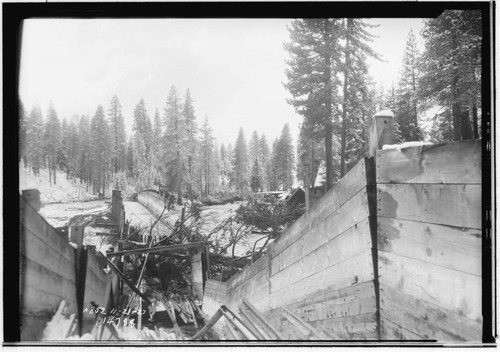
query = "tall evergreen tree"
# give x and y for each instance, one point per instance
(354, 69)
(406, 107)
(35, 139)
(264, 157)
(119, 138)
(451, 67)
(191, 142)
(207, 149)
(174, 142)
(241, 172)
(284, 161)
(52, 141)
(312, 80)
(23, 153)
(100, 150)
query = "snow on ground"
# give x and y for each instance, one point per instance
(63, 191)
(58, 214)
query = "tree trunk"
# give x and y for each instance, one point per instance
(328, 117)
(465, 124)
(455, 108)
(474, 120)
(344, 103)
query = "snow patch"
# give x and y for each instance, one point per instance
(405, 145)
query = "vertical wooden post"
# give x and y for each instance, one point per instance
(76, 236)
(380, 131)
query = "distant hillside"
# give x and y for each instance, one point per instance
(63, 191)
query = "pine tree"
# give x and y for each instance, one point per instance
(52, 141)
(310, 154)
(62, 153)
(174, 143)
(191, 142)
(314, 53)
(255, 179)
(119, 138)
(451, 67)
(35, 139)
(356, 50)
(241, 174)
(142, 144)
(285, 159)
(406, 105)
(100, 152)
(23, 153)
(85, 144)
(207, 148)
(130, 158)
(264, 157)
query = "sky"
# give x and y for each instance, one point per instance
(234, 68)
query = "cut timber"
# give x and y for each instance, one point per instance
(427, 320)
(171, 313)
(358, 327)
(158, 249)
(306, 328)
(121, 276)
(454, 205)
(449, 289)
(458, 162)
(259, 316)
(197, 276)
(237, 323)
(452, 247)
(393, 331)
(214, 319)
(255, 328)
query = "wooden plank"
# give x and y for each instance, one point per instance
(450, 289)
(455, 205)
(263, 321)
(353, 306)
(125, 280)
(452, 247)
(326, 248)
(391, 331)
(458, 162)
(427, 320)
(248, 272)
(256, 329)
(42, 253)
(349, 272)
(305, 327)
(156, 249)
(47, 235)
(359, 327)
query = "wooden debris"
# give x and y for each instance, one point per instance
(157, 249)
(238, 324)
(306, 328)
(269, 328)
(214, 319)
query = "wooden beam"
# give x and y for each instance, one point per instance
(157, 249)
(306, 328)
(215, 318)
(262, 319)
(121, 276)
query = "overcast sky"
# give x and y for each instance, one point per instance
(233, 68)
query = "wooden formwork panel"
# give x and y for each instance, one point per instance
(454, 205)
(418, 318)
(353, 182)
(446, 163)
(351, 242)
(343, 314)
(457, 248)
(349, 272)
(351, 214)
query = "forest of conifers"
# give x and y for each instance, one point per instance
(329, 82)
